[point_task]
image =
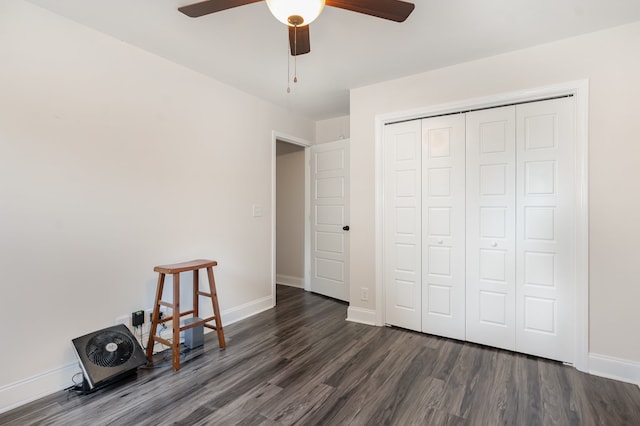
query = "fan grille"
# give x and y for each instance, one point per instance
(109, 348)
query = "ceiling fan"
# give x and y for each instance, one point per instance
(298, 14)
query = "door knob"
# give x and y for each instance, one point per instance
(494, 244)
(440, 241)
(345, 228)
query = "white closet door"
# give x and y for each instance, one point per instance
(402, 227)
(443, 221)
(545, 235)
(491, 177)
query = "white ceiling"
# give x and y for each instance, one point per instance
(247, 48)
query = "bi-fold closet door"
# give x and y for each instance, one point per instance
(477, 227)
(491, 227)
(443, 219)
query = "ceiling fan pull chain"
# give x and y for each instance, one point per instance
(295, 58)
(288, 71)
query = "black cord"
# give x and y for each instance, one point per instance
(77, 386)
(73, 378)
(141, 338)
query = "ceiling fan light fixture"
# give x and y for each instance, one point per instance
(296, 12)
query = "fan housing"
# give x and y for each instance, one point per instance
(108, 355)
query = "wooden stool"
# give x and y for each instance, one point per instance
(175, 269)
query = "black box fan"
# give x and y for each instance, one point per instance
(108, 355)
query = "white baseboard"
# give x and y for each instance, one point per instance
(247, 310)
(23, 391)
(361, 315)
(614, 368)
(290, 280)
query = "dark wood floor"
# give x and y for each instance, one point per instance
(302, 363)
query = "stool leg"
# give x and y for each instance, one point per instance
(155, 317)
(216, 308)
(175, 344)
(196, 290)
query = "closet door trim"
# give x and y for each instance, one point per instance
(580, 90)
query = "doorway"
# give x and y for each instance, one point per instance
(290, 217)
(295, 153)
(325, 216)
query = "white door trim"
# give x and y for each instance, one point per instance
(580, 90)
(275, 137)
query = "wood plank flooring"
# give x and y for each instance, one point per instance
(302, 363)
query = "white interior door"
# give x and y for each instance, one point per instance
(443, 223)
(402, 227)
(330, 219)
(545, 283)
(491, 262)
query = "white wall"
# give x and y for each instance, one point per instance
(611, 62)
(112, 161)
(290, 183)
(332, 129)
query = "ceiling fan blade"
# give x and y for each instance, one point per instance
(299, 40)
(211, 6)
(393, 10)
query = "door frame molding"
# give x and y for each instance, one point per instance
(275, 137)
(580, 91)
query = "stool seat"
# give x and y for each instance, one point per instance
(175, 270)
(185, 266)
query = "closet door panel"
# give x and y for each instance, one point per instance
(490, 227)
(402, 224)
(443, 274)
(545, 282)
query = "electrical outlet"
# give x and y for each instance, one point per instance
(364, 294)
(161, 325)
